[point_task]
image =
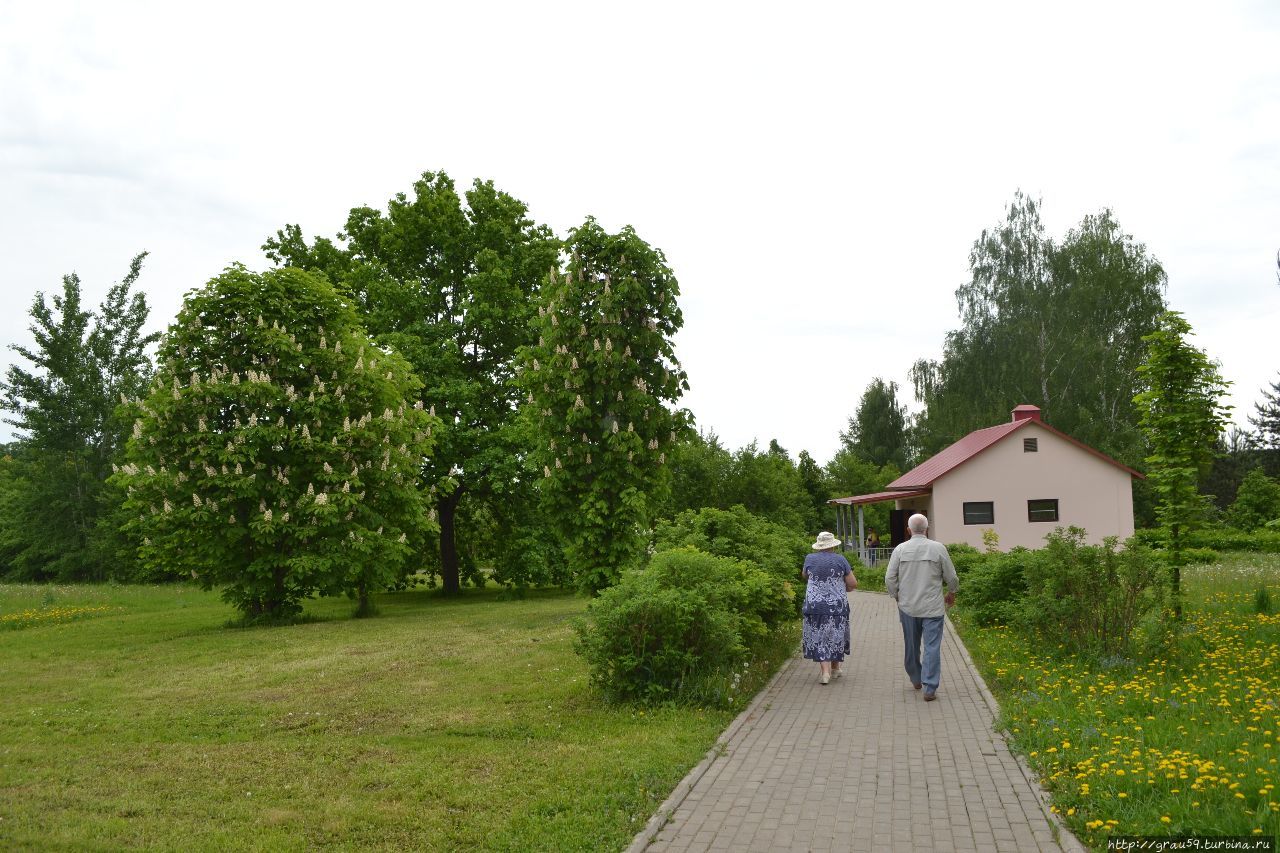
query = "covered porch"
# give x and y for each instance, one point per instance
(851, 524)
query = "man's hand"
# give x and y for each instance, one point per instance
(950, 599)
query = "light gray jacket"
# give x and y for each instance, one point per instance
(916, 572)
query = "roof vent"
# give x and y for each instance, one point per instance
(1026, 412)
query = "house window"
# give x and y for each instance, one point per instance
(1044, 509)
(1030, 445)
(979, 512)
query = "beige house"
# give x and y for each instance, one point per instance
(1021, 479)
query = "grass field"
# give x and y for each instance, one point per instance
(132, 716)
(1184, 744)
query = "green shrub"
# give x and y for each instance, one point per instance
(994, 585)
(1200, 555)
(964, 556)
(688, 617)
(870, 578)
(1092, 596)
(1265, 540)
(737, 533)
(1257, 502)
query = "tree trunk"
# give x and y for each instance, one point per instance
(449, 577)
(276, 605)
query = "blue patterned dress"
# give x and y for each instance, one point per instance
(826, 607)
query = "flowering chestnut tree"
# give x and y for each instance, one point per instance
(600, 386)
(275, 454)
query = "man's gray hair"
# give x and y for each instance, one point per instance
(918, 523)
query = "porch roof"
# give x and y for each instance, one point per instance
(877, 497)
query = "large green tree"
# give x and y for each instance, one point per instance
(769, 485)
(877, 432)
(765, 483)
(1181, 415)
(82, 363)
(701, 467)
(849, 474)
(1055, 324)
(452, 283)
(276, 453)
(602, 382)
(814, 482)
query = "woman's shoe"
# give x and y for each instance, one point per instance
(838, 671)
(826, 678)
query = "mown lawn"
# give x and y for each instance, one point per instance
(1186, 743)
(441, 724)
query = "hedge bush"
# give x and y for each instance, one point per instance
(994, 585)
(1257, 502)
(1265, 540)
(964, 556)
(663, 631)
(737, 533)
(1093, 597)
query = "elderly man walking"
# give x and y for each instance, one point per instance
(917, 570)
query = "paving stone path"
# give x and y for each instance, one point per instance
(861, 764)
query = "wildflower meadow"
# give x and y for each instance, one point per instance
(1184, 742)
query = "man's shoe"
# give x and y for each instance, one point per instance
(930, 695)
(916, 685)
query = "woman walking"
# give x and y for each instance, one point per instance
(825, 637)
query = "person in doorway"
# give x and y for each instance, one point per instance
(825, 634)
(918, 570)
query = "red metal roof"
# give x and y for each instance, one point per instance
(877, 497)
(924, 474)
(927, 473)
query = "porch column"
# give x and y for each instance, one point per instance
(862, 539)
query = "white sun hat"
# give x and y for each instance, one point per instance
(825, 540)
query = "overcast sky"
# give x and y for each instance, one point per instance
(815, 173)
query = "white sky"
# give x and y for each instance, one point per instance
(815, 172)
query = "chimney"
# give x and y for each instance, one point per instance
(1026, 412)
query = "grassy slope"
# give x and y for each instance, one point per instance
(463, 724)
(1184, 744)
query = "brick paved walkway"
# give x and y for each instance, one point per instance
(861, 764)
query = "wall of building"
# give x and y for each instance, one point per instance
(1091, 493)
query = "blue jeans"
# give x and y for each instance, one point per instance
(923, 660)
